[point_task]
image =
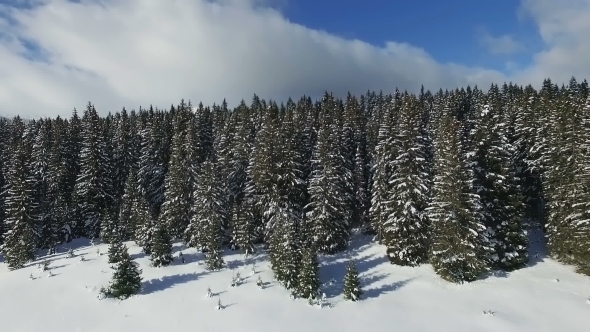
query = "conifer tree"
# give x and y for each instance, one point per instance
(458, 250)
(498, 186)
(126, 279)
(285, 248)
(161, 246)
(144, 229)
(19, 239)
(116, 249)
(129, 215)
(329, 210)
(352, 283)
(92, 189)
(406, 226)
(205, 228)
(110, 227)
(309, 276)
(177, 195)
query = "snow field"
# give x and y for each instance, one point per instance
(545, 296)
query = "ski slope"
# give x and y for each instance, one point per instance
(545, 296)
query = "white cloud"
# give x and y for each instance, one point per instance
(503, 45)
(129, 52)
(564, 26)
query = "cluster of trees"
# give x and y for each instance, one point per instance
(451, 178)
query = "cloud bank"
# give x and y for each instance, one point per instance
(128, 53)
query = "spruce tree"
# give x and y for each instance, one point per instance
(352, 283)
(205, 228)
(93, 186)
(115, 251)
(161, 246)
(207, 212)
(285, 248)
(309, 275)
(406, 226)
(458, 249)
(126, 280)
(144, 229)
(177, 195)
(110, 227)
(498, 186)
(19, 238)
(329, 211)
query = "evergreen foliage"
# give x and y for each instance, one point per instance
(126, 280)
(352, 283)
(454, 178)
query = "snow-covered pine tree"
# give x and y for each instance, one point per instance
(405, 228)
(329, 212)
(352, 283)
(309, 275)
(161, 245)
(285, 248)
(381, 188)
(57, 190)
(177, 195)
(242, 227)
(567, 174)
(126, 279)
(207, 213)
(19, 239)
(144, 228)
(38, 183)
(130, 202)
(115, 250)
(92, 185)
(498, 189)
(205, 231)
(110, 227)
(151, 170)
(458, 248)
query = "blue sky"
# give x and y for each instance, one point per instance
(57, 54)
(449, 30)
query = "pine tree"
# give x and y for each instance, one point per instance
(144, 229)
(285, 248)
(115, 251)
(352, 283)
(207, 211)
(161, 246)
(19, 239)
(129, 216)
(93, 186)
(329, 210)
(459, 240)
(498, 190)
(126, 279)
(177, 195)
(110, 227)
(205, 228)
(243, 228)
(406, 226)
(309, 277)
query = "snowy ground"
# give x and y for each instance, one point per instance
(545, 296)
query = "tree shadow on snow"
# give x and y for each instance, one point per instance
(332, 274)
(537, 246)
(138, 255)
(160, 284)
(372, 293)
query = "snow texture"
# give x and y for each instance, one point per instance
(410, 299)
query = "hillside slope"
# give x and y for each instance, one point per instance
(545, 296)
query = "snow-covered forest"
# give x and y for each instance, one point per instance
(452, 178)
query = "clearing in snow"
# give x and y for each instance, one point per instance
(544, 296)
